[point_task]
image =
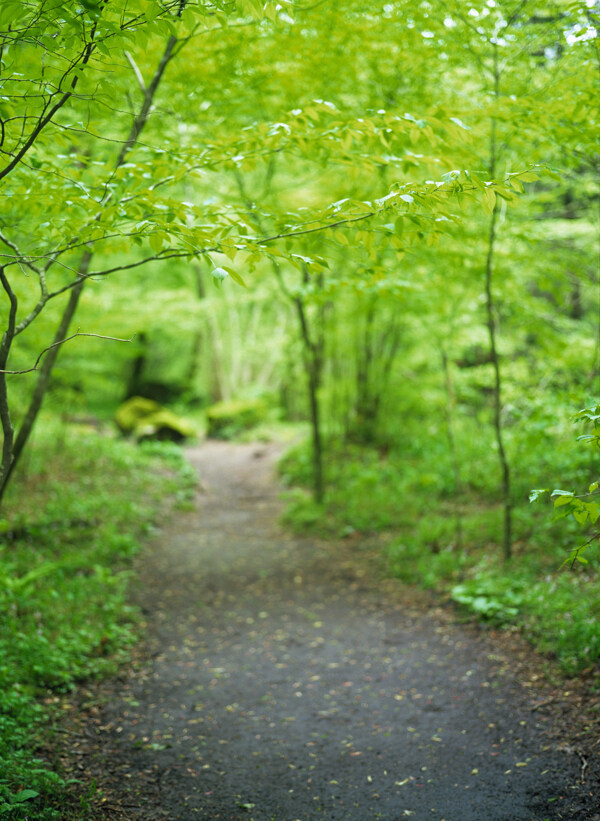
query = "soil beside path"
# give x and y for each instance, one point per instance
(285, 683)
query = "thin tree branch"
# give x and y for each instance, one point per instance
(22, 258)
(62, 342)
(43, 121)
(149, 93)
(136, 71)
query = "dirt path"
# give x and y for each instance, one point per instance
(287, 685)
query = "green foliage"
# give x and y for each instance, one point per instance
(561, 616)
(583, 508)
(556, 611)
(365, 492)
(445, 538)
(496, 600)
(227, 419)
(164, 164)
(76, 519)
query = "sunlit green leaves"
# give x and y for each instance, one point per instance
(488, 200)
(583, 508)
(347, 147)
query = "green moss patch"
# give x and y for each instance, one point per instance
(227, 419)
(146, 419)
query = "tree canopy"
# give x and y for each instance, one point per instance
(376, 167)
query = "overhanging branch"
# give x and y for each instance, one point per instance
(62, 342)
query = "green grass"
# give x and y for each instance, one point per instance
(72, 522)
(450, 542)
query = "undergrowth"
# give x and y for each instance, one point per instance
(448, 540)
(72, 521)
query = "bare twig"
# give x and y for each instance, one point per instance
(584, 765)
(543, 703)
(62, 342)
(573, 558)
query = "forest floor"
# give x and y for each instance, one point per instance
(287, 679)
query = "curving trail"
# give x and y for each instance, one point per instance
(288, 685)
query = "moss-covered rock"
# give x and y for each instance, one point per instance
(146, 419)
(229, 418)
(131, 412)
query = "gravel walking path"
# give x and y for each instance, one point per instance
(287, 682)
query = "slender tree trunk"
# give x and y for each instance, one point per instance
(137, 368)
(376, 352)
(5, 416)
(313, 346)
(492, 333)
(194, 363)
(364, 409)
(449, 413)
(497, 394)
(317, 438)
(43, 376)
(313, 360)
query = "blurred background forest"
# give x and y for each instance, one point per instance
(373, 230)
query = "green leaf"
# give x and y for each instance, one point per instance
(488, 200)
(528, 176)
(593, 511)
(537, 493)
(517, 185)
(156, 242)
(234, 275)
(475, 180)
(563, 500)
(25, 795)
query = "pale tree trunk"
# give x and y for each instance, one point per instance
(497, 389)
(492, 334)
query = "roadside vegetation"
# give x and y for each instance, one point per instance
(74, 521)
(445, 538)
